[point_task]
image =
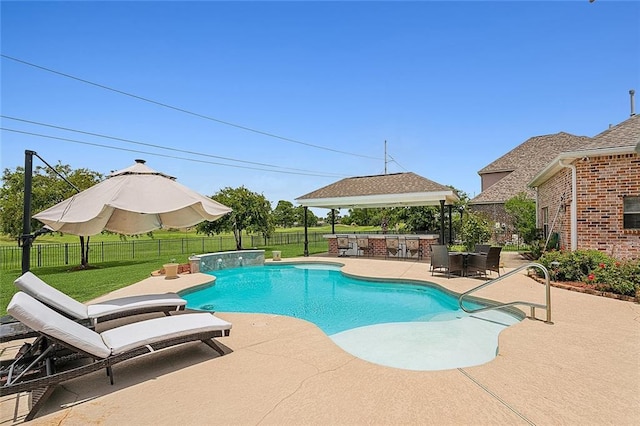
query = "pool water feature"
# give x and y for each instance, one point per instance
(399, 324)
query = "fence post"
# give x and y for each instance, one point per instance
(159, 252)
(102, 250)
(39, 255)
(133, 249)
(66, 254)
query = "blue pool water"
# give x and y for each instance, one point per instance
(321, 294)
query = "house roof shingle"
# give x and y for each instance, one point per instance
(622, 134)
(619, 139)
(532, 152)
(524, 161)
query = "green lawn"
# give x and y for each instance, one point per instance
(176, 234)
(85, 285)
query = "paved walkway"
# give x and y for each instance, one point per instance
(583, 369)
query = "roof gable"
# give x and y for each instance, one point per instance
(524, 161)
(535, 152)
(506, 188)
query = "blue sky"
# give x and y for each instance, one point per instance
(451, 86)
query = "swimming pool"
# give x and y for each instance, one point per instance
(351, 311)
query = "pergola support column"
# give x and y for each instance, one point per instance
(306, 235)
(441, 221)
(450, 225)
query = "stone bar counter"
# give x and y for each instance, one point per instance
(410, 246)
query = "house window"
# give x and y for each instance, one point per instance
(631, 213)
(545, 222)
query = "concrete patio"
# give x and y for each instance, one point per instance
(583, 369)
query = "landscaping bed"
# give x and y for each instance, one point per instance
(582, 287)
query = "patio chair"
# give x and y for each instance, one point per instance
(393, 247)
(362, 245)
(66, 349)
(481, 263)
(482, 248)
(101, 311)
(413, 249)
(444, 261)
(344, 245)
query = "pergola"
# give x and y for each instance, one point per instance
(388, 190)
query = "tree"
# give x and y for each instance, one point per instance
(312, 219)
(421, 218)
(47, 190)
(522, 210)
(284, 214)
(475, 230)
(337, 216)
(458, 211)
(365, 217)
(251, 213)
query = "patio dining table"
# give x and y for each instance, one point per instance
(465, 259)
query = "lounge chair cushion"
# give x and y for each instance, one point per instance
(37, 288)
(41, 318)
(34, 286)
(113, 306)
(130, 336)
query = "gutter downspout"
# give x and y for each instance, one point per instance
(574, 205)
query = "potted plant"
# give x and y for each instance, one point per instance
(171, 270)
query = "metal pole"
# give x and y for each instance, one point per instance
(306, 236)
(333, 221)
(450, 225)
(441, 221)
(26, 238)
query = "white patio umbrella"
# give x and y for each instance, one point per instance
(132, 201)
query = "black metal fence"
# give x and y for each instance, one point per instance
(43, 255)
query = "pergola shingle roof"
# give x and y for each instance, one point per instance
(390, 190)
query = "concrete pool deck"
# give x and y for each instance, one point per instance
(583, 369)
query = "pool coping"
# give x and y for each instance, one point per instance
(279, 370)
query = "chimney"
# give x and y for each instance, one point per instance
(633, 106)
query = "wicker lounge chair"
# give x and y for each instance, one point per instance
(102, 311)
(444, 261)
(41, 367)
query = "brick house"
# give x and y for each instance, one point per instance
(510, 174)
(591, 196)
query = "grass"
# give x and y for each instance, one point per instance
(163, 234)
(84, 285)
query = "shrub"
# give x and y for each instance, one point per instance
(594, 267)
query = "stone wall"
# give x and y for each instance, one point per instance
(225, 259)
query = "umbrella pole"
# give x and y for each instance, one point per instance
(26, 239)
